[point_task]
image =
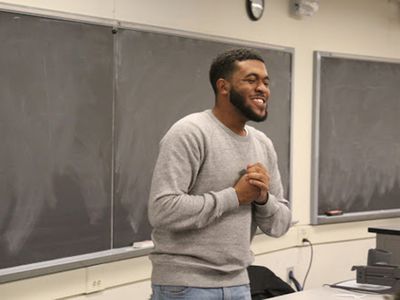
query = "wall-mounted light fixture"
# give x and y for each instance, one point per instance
(304, 8)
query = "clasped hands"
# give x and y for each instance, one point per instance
(253, 186)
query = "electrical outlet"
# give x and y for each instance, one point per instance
(94, 285)
(302, 233)
(288, 270)
(95, 279)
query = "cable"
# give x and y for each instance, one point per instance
(295, 281)
(311, 259)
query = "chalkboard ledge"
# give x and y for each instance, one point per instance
(70, 263)
(356, 216)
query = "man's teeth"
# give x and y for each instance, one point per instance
(259, 100)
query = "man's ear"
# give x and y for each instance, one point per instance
(223, 86)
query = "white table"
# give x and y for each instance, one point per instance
(327, 293)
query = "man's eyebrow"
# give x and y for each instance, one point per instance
(256, 75)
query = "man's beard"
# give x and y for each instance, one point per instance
(239, 102)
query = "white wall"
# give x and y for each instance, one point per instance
(365, 27)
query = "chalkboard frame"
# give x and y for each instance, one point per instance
(116, 254)
(316, 217)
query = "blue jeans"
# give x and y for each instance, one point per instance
(169, 292)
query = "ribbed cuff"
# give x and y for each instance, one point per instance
(269, 208)
(227, 200)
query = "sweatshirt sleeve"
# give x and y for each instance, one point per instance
(171, 206)
(273, 218)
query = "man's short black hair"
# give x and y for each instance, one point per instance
(224, 64)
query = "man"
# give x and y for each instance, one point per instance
(216, 179)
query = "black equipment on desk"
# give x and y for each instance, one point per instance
(379, 257)
(387, 275)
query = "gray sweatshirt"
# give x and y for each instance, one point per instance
(202, 236)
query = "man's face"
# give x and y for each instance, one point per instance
(249, 91)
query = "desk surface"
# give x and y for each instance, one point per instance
(327, 293)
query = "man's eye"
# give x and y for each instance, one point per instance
(251, 81)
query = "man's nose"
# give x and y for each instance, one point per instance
(262, 87)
